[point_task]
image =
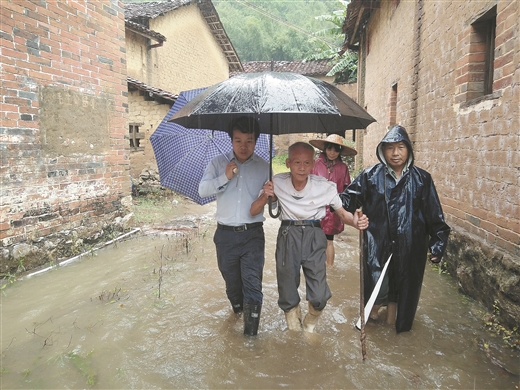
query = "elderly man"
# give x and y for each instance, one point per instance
(301, 242)
(406, 221)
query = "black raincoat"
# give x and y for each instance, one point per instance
(406, 221)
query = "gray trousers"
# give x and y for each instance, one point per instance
(301, 247)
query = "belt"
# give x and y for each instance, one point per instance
(240, 228)
(308, 222)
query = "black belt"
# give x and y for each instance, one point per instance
(240, 228)
(311, 222)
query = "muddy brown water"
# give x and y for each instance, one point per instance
(151, 312)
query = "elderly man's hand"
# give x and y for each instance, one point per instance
(269, 189)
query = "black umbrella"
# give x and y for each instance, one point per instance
(282, 102)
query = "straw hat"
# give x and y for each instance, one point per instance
(334, 139)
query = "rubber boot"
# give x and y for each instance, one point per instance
(311, 319)
(251, 319)
(294, 318)
(237, 307)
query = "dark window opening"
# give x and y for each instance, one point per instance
(483, 54)
(134, 136)
(392, 107)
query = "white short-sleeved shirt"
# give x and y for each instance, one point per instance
(309, 203)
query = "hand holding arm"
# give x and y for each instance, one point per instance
(357, 220)
(258, 205)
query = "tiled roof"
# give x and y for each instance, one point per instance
(307, 68)
(151, 10)
(145, 31)
(358, 13)
(154, 92)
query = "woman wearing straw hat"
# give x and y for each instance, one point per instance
(330, 166)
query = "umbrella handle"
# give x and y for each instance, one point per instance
(273, 215)
(270, 201)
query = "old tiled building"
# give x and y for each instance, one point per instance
(449, 71)
(171, 46)
(64, 165)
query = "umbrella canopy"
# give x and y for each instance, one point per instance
(282, 102)
(183, 154)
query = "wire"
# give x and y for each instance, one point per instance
(331, 45)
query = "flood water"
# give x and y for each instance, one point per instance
(151, 312)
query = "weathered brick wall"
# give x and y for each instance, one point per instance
(190, 58)
(64, 167)
(471, 147)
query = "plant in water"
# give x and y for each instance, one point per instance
(109, 296)
(83, 365)
(511, 337)
(9, 278)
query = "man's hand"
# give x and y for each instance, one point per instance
(231, 169)
(360, 220)
(269, 190)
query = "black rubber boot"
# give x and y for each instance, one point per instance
(251, 319)
(237, 307)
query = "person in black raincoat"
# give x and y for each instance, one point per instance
(406, 220)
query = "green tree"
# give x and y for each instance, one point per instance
(345, 65)
(273, 30)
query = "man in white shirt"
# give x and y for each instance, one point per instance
(301, 243)
(236, 179)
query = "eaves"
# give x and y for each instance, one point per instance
(358, 14)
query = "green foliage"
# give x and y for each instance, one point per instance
(275, 30)
(151, 208)
(344, 67)
(279, 164)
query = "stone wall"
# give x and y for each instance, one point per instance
(425, 75)
(64, 168)
(149, 113)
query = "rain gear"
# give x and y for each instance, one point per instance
(406, 219)
(337, 172)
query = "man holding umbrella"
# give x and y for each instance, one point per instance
(236, 179)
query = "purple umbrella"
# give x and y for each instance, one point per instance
(183, 154)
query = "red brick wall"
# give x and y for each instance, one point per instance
(63, 99)
(471, 147)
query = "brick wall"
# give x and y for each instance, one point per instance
(469, 141)
(64, 167)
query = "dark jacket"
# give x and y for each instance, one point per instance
(406, 221)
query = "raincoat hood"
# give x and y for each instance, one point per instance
(395, 134)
